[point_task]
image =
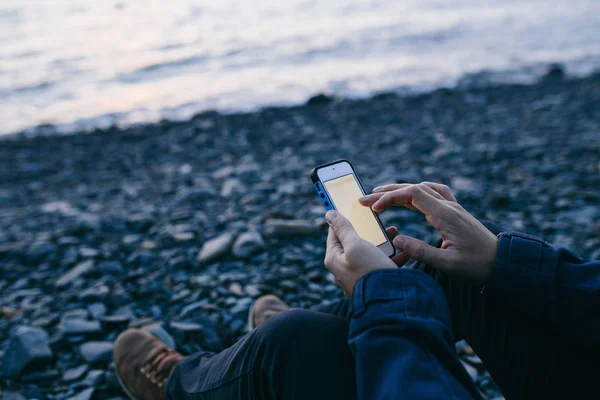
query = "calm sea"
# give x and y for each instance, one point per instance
(85, 63)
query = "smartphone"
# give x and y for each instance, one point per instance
(339, 188)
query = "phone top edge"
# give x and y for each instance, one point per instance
(313, 173)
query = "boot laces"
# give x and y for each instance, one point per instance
(158, 368)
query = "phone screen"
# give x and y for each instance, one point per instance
(344, 192)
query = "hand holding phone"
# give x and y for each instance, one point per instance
(357, 244)
(349, 257)
(339, 188)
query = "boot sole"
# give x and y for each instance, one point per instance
(123, 386)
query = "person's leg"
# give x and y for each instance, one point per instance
(296, 354)
(338, 308)
(525, 357)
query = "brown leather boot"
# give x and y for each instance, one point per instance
(264, 308)
(143, 364)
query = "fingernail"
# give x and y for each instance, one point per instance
(364, 198)
(330, 216)
(377, 189)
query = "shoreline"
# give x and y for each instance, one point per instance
(115, 227)
(526, 75)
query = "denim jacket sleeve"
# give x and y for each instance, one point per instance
(401, 337)
(549, 283)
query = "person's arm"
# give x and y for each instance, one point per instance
(549, 283)
(401, 337)
(545, 282)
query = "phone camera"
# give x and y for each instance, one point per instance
(326, 204)
(322, 196)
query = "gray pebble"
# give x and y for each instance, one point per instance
(284, 227)
(74, 273)
(96, 352)
(248, 243)
(27, 347)
(73, 374)
(215, 248)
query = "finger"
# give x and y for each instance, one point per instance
(413, 195)
(400, 259)
(421, 251)
(442, 189)
(392, 232)
(334, 247)
(370, 199)
(342, 227)
(432, 192)
(389, 188)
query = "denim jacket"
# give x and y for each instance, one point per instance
(400, 328)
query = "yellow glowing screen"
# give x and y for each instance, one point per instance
(345, 192)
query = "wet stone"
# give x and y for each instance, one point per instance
(70, 257)
(252, 290)
(467, 186)
(215, 248)
(113, 268)
(10, 395)
(41, 376)
(232, 186)
(181, 295)
(97, 310)
(94, 378)
(76, 313)
(236, 289)
(185, 327)
(27, 349)
(74, 374)
(248, 243)
(88, 252)
(86, 394)
(190, 308)
(195, 196)
(242, 306)
(285, 227)
(186, 331)
(76, 326)
(472, 371)
(139, 222)
(158, 331)
(109, 322)
(96, 352)
(75, 273)
(38, 253)
(96, 293)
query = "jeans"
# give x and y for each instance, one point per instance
(303, 354)
(297, 354)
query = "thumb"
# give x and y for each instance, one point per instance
(421, 251)
(341, 226)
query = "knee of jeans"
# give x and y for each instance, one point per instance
(294, 328)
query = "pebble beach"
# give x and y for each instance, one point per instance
(177, 226)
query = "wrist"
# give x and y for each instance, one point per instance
(491, 259)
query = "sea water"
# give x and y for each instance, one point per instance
(88, 63)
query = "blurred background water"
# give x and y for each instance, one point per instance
(85, 63)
